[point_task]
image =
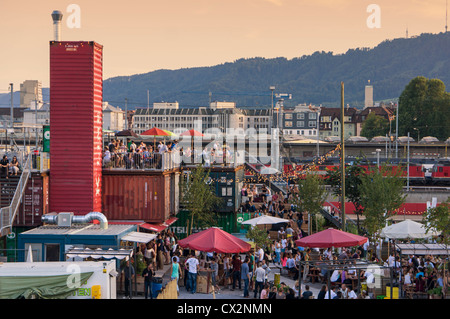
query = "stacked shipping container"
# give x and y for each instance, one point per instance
(76, 94)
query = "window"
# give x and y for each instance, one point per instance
(312, 124)
(312, 115)
(300, 116)
(288, 116)
(51, 252)
(300, 123)
(288, 123)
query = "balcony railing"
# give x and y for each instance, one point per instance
(168, 160)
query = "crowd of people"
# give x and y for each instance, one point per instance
(142, 155)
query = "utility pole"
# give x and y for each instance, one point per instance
(126, 113)
(12, 104)
(396, 131)
(342, 159)
(148, 109)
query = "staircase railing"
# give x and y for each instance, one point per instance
(7, 214)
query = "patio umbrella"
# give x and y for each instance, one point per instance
(154, 131)
(215, 240)
(127, 133)
(265, 220)
(191, 133)
(331, 238)
(407, 229)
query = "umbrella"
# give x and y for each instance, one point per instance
(127, 133)
(407, 229)
(154, 131)
(215, 240)
(265, 220)
(191, 133)
(331, 238)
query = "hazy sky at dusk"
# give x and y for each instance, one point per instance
(143, 36)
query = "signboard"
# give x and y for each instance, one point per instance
(46, 138)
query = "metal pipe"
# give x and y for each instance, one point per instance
(53, 219)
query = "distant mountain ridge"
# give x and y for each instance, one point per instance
(311, 78)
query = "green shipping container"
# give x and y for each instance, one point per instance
(224, 221)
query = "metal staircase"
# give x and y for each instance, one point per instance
(8, 213)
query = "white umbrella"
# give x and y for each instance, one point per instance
(407, 229)
(265, 220)
(29, 255)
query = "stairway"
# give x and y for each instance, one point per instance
(8, 188)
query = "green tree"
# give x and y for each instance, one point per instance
(311, 194)
(424, 109)
(439, 218)
(259, 237)
(382, 194)
(199, 198)
(374, 125)
(353, 175)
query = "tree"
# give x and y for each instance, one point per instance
(259, 236)
(353, 176)
(199, 198)
(375, 125)
(424, 108)
(381, 194)
(439, 218)
(311, 194)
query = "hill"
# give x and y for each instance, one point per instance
(310, 79)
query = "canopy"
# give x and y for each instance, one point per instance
(265, 220)
(331, 238)
(191, 133)
(130, 133)
(139, 237)
(407, 229)
(215, 240)
(99, 253)
(423, 249)
(154, 131)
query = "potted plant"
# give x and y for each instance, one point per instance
(435, 293)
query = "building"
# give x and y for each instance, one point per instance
(302, 120)
(113, 117)
(224, 116)
(30, 90)
(330, 122)
(385, 111)
(368, 98)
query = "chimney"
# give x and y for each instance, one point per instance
(57, 17)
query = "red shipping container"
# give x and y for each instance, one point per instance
(76, 95)
(144, 197)
(34, 202)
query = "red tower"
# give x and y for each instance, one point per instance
(76, 95)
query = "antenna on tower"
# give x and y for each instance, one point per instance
(446, 15)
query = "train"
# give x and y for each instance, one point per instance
(422, 171)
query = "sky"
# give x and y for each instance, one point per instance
(141, 36)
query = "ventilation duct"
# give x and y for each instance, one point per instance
(67, 219)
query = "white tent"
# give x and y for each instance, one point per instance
(407, 229)
(265, 220)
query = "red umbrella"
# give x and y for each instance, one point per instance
(191, 133)
(215, 240)
(154, 131)
(331, 238)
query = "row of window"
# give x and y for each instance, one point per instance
(300, 124)
(300, 116)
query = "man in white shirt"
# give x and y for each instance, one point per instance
(192, 264)
(333, 293)
(260, 255)
(260, 275)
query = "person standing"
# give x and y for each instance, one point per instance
(236, 263)
(4, 165)
(148, 274)
(175, 270)
(192, 264)
(245, 276)
(128, 273)
(260, 275)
